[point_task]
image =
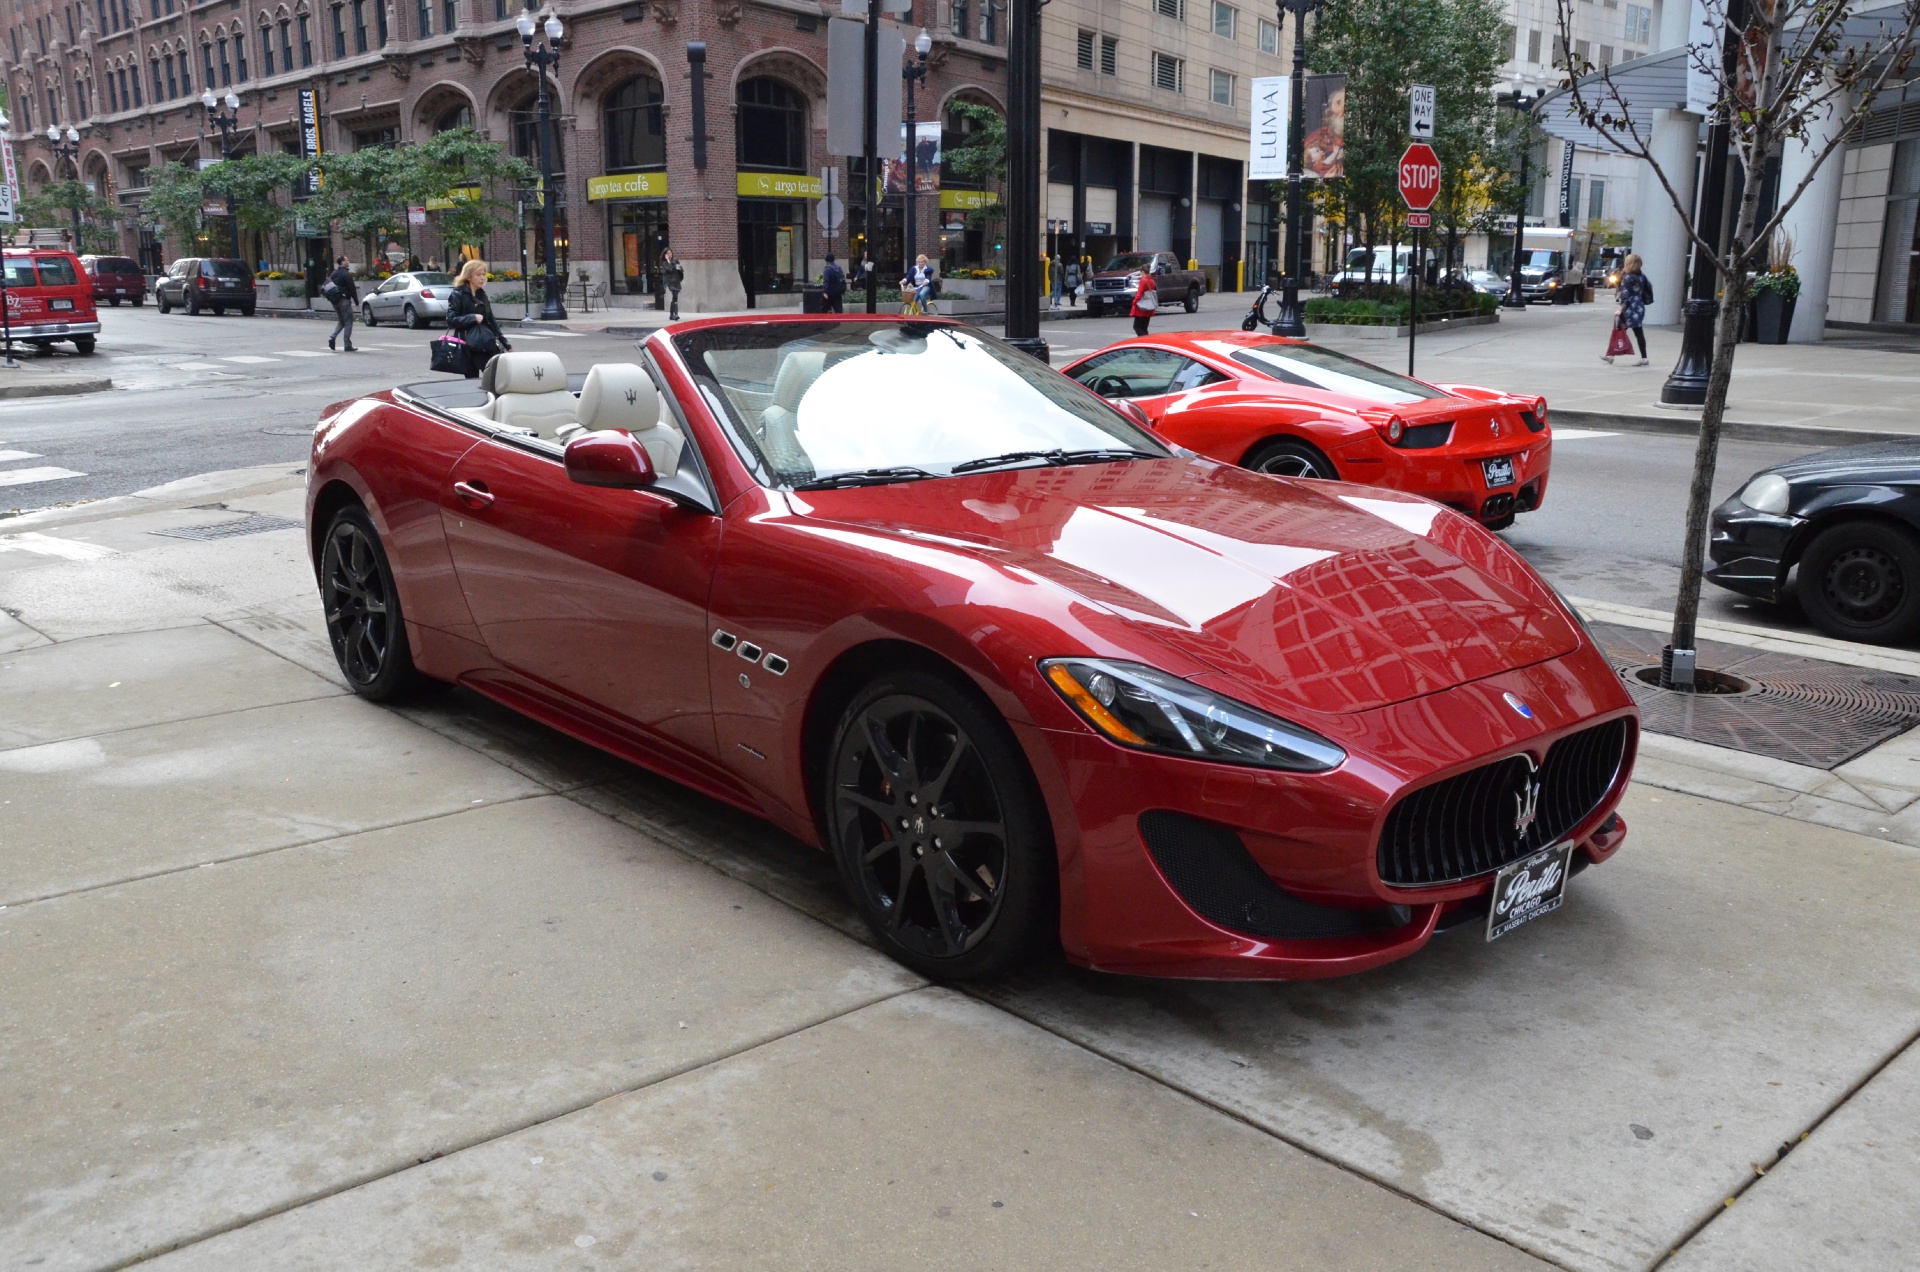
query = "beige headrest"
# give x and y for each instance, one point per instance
(540, 372)
(618, 395)
(796, 375)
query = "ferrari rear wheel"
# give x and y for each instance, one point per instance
(1861, 581)
(938, 831)
(363, 610)
(1285, 457)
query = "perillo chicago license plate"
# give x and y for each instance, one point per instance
(1528, 889)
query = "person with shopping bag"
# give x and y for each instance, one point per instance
(1634, 295)
(470, 316)
(1146, 302)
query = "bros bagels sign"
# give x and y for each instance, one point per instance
(1419, 176)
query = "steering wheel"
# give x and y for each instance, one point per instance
(1111, 386)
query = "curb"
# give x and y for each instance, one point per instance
(1689, 426)
(63, 387)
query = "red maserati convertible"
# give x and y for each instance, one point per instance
(1029, 674)
(1296, 409)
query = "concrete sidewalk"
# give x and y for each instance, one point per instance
(294, 981)
(43, 376)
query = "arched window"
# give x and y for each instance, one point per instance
(635, 128)
(460, 116)
(772, 127)
(266, 46)
(526, 134)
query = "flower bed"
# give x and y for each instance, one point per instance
(1434, 306)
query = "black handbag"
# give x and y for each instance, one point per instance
(449, 353)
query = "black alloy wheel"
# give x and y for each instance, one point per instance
(413, 319)
(938, 831)
(1861, 581)
(363, 609)
(1285, 457)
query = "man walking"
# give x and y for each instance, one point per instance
(340, 289)
(673, 274)
(833, 286)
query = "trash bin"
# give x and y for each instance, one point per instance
(813, 299)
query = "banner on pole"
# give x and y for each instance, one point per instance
(1326, 125)
(10, 186)
(1267, 147)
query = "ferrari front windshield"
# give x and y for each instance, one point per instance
(809, 401)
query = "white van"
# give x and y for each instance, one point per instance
(1390, 265)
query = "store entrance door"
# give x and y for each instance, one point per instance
(636, 234)
(773, 246)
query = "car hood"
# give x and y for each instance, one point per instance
(1873, 463)
(1316, 596)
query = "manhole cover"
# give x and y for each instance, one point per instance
(254, 523)
(1801, 710)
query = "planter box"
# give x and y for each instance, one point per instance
(1324, 330)
(1772, 318)
(266, 297)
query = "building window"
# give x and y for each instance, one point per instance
(426, 18)
(26, 106)
(772, 127)
(339, 32)
(159, 90)
(635, 125)
(380, 22)
(1606, 55)
(113, 99)
(306, 40)
(133, 81)
(53, 107)
(1083, 51)
(226, 69)
(186, 73)
(266, 50)
(1581, 50)
(360, 25)
(1573, 201)
(375, 138)
(1109, 55)
(1220, 88)
(1226, 20)
(1639, 23)
(239, 56)
(173, 83)
(1175, 9)
(286, 44)
(1533, 47)
(499, 10)
(1269, 37)
(526, 140)
(1510, 40)
(1169, 73)
(1596, 200)
(206, 63)
(449, 15)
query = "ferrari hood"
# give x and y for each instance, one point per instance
(1316, 596)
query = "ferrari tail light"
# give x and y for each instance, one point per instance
(1393, 428)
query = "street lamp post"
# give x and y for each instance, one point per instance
(70, 151)
(1524, 103)
(1291, 320)
(913, 72)
(541, 58)
(6, 321)
(224, 124)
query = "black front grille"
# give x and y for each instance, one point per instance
(1426, 436)
(1213, 872)
(1466, 825)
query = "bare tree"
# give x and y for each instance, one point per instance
(1781, 69)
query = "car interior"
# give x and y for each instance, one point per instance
(528, 393)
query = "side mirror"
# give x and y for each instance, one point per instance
(610, 459)
(1134, 412)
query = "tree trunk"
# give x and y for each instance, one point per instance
(1706, 458)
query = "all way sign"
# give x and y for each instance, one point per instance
(1419, 176)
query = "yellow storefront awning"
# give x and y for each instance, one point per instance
(967, 200)
(628, 185)
(780, 185)
(465, 194)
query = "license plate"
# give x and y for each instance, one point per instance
(63, 304)
(1528, 889)
(1499, 472)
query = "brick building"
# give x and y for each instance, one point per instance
(129, 73)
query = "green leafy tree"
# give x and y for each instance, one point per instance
(982, 157)
(175, 194)
(52, 206)
(260, 187)
(451, 166)
(363, 191)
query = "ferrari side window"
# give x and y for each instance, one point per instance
(1136, 371)
(1195, 375)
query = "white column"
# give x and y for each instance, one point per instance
(1659, 229)
(1811, 223)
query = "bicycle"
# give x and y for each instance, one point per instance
(911, 306)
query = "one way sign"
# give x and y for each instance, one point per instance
(1420, 117)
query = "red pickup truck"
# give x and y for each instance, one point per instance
(1113, 285)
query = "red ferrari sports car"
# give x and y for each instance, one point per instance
(1296, 409)
(1027, 672)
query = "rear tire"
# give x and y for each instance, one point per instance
(1192, 302)
(362, 610)
(247, 310)
(219, 311)
(139, 302)
(940, 834)
(1860, 580)
(1288, 457)
(84, 345)
(193, 306)
(413, 319)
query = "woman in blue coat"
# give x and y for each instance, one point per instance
(1634, 295)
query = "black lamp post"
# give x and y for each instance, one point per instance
(225, 123)
(6, 323)
(1023, 178)
(1524, 103)
(70, 151)
(913, 72)
(1291, 320)
(540, 58)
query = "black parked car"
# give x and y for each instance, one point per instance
(1850, 519)
(197, 283)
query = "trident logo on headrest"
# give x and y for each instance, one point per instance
(539, 373)
(633, 396)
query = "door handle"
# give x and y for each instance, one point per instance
(474, 492)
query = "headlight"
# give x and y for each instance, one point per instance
(1149, 710)
(1767, 493)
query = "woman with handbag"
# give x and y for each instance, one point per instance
(470, 316)
(1146, 302)
(1634, 294)
(340, 289)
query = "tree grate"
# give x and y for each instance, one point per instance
(1802, 710)
(252, 523)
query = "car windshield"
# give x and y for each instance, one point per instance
(810, 401)
(1136, 260)
(1311, 366)
(1540, 258)
(434, 280)
(55, 271)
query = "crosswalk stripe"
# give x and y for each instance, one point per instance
(197, 366)
(303, 353)
(1578, 434)
(7, 456)
(27, 476)
(247, 358)
(46, 545)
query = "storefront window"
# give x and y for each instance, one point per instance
(772, 127)
(635, 128)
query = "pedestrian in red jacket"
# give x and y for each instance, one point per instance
(1146, 302)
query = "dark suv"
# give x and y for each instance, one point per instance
(196, 283)
(115, 278)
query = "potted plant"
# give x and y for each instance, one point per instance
(1772, 296)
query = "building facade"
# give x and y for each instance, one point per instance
(741, 212)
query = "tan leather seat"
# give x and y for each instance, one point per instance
(530, 392)
(796, 375)
(621, 395)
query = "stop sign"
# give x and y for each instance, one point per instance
(1419, 176)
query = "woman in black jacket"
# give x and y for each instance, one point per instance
(470, 313)
(346, 299)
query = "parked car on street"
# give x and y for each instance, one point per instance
(1296, 409)
(115, 278)
(49, 299)
(1112, 286)
(417, 299)
(199, 283)
(1848, 520)
(1032, 676)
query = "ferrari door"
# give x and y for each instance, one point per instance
(599, 593)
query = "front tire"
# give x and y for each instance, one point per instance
(165, 308)
(362, 610)
(1860, 580)
(1286, 457)
(941, 837)
(366, 316)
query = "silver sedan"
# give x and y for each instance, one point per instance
(415, 299)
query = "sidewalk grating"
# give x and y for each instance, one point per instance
(1803, 710)
(254, 523)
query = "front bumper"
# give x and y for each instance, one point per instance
(1313, 837)
(1749, 552)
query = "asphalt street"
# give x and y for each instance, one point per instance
(203, 394)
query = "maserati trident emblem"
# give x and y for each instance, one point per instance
(633, 395)
(539, 373)
(1526, 800)
(1519, 704)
